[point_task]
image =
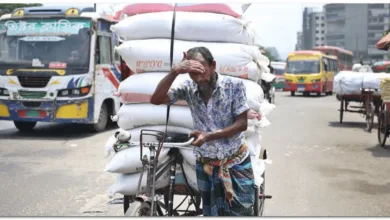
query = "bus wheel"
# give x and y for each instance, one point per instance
(292, 93)
(25, 126)
(318, 94)
(103, 118)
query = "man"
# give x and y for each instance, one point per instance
(219, 110)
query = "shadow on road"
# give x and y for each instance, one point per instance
(378, 151)
(302, 96)
(337, 124)
(53, 132)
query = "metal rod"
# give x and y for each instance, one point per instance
(171, 187)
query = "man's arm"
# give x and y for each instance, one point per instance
(160, 95)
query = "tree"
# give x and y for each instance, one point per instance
(267, 53)
(8, 8)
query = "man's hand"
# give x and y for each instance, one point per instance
(200, 138)
(252, 115)
(188, 66)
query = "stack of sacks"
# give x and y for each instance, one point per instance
(146, 50)
(351, 83)
(385, 89)
(348, 83)
(357, 67)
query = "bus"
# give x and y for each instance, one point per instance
(310, 72)
(279, 68)
(345, 57)
(58, 64)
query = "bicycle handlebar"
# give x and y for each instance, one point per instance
(165, 144)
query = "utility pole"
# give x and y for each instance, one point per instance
(94, 7)
(357, 46)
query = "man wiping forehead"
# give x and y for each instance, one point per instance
(219, 110)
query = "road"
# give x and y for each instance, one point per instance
(319, 167)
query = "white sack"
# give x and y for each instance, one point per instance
(109, 147)
(348, 83)
(135, 135)
(258, 167)
(254, 143)
(188, 157)
(268, 77)
(191, 26)
(137, 115)
(373, 81)
(129, 161)
(140, 87)
(265, 109)
(190, 173)
(236, 60)
(127, 184)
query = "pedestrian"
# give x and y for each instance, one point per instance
(219, 110)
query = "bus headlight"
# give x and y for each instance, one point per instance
(74, 92)
(4, 92)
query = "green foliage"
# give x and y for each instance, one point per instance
(267, 54)
(8, 8)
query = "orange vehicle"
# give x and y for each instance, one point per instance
(345, 57)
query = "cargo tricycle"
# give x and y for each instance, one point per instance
(160, 202)
(370, 105)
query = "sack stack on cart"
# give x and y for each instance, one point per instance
(350, 83)
(146, 50)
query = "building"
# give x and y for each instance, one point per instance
(357, 27)
(313, 29)
(307, 27)
(319, 28)
(298, 46)
(378, 23)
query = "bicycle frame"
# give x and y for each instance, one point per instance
(155, 172)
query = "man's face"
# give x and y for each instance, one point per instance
(204, 77)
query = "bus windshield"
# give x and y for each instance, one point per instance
(303, 66)
(279, 71)
(45, 43)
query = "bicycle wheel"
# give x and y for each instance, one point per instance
(139, 209)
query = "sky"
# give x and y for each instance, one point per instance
(276, 24)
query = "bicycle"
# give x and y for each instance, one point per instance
(149, 203)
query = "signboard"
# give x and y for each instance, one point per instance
(35, 27)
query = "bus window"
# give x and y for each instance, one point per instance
(330, 65)
(116, 43)
(104, 50)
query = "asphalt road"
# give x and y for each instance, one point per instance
(319, 167)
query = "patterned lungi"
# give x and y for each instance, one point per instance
(226, 191)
